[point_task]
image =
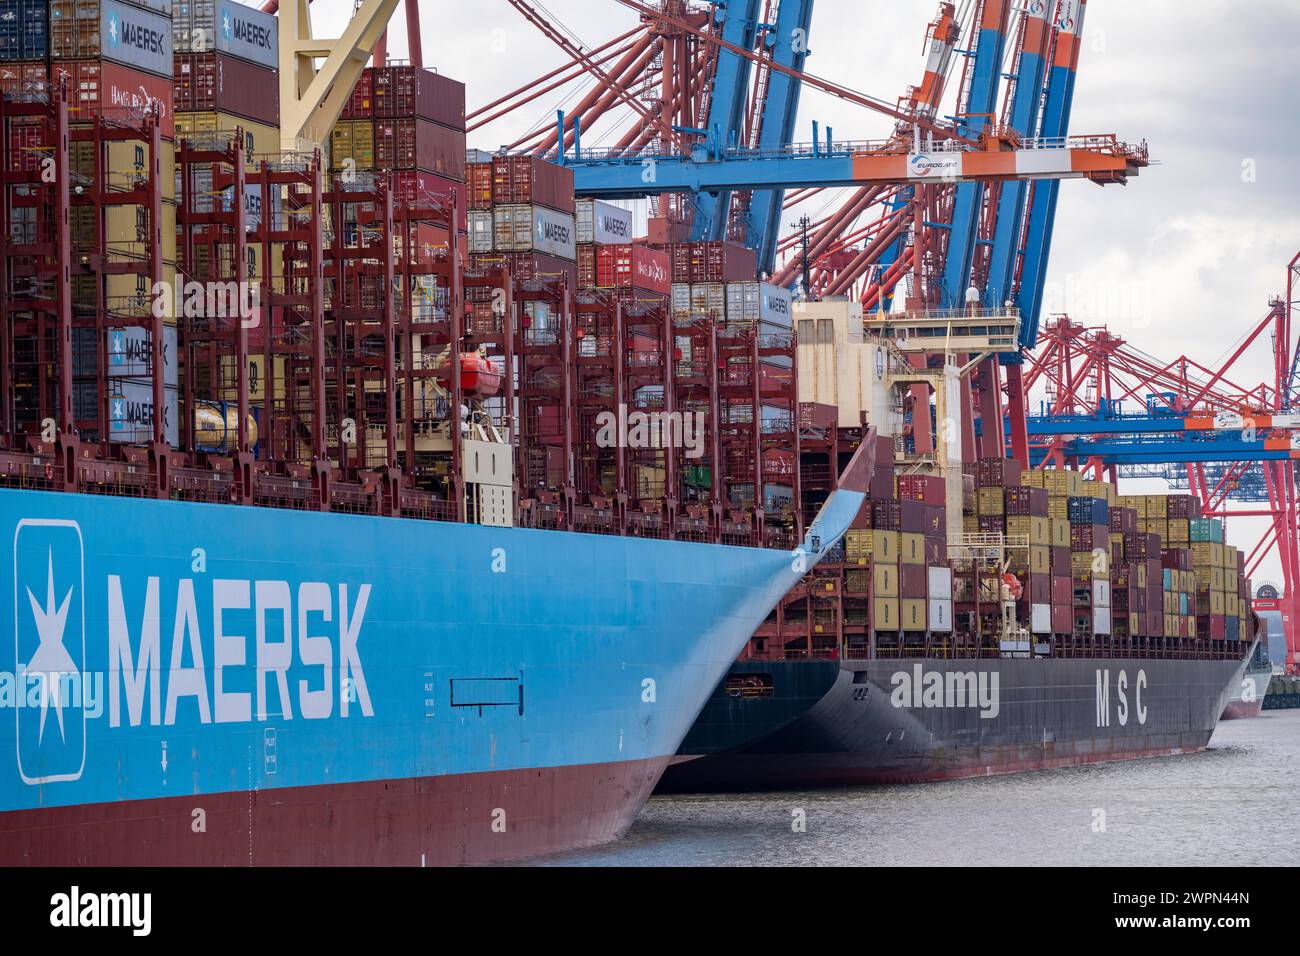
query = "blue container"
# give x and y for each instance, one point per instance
(1089, 511)
(24, 29)
(1205, 529)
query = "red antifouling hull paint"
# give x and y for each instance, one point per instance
(435, 821)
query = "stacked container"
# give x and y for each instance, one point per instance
(522, 217)
(410, 122)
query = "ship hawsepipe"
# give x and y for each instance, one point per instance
(225, 685)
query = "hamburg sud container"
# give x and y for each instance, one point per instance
(633, 266)
(105, 88)
(24, 29)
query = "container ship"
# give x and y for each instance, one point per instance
(1246, 694)
(980, 618)
(368, 504)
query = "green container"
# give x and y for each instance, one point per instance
(1205, 530)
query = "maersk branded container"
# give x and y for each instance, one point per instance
(224, 26)
(409, 92)
(24, 29)
(215, 82)
(90, 29)
(527, 179)
(104, 88)
(524, 227)
(419, 144)
(602, 223)
(750, 303)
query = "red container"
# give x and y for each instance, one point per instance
(1062, 619)
(103, 88)
(630, 266)
(911, 517)
(997, 472)
(1062, 589)
(924, 488)
(912, 581)
(527, 179)
(409, 92)
(360, 104)
(992, 524)
(936, 521)
(26, 146)
(886, 515)
(24, 78)
(1040, 589)
(420, 144)
(479, 178)
(530, 265)
(1061, 562)
(586, 266)
(936, 550)
(207, 82)
(414, 186)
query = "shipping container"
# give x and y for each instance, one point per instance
(224, 26)
(352, 141)
(750, 303)
(529, 265)
(260, 140)
(360, 104)
(115, 92)
(413, 187)
(603, 223)
(409, 92)
(527, 228)
(527, 179)
(478, 177)
(214, 82)
(632, 266)
(419, 144)
(25, 80)
(940, 615)
(24, 29)
(91, 29)
(131, 412)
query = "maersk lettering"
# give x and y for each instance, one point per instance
(289, 629)
(614, 226)
(556, 232)
(250, 33)
(142, 38)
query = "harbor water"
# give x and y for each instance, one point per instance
(1231, 805)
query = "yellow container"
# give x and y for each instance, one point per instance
(913, 614)
(1060, 532)
(1177, 534)
(885, 546)
(913, 548)
(1032, 479)
(260, 141)
(991, 501)
(885, 614)
(1040, 559)
(1157, 506)
(885, 580)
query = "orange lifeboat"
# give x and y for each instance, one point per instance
(479, 376)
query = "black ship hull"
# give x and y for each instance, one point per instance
(904, 721)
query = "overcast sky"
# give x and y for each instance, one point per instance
(1183, 259)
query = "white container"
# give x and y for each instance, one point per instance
(709, 299)
(524, 227)
(602, 223)
(940, 583)
(940, 616)
(480, 230)
(1101, 621)
(1040, 618)
(129, 354)
(1101, 593)
(130, 412)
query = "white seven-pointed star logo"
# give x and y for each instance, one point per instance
(225, 23)
(112, 28)
(51, 659)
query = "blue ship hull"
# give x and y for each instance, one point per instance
(193, 683)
